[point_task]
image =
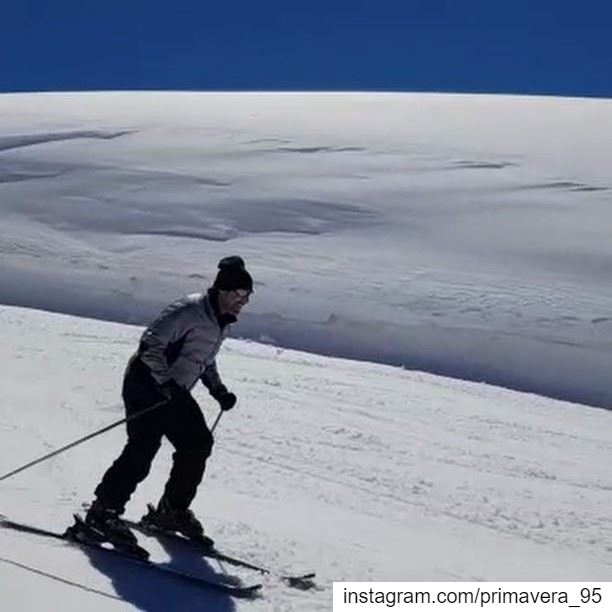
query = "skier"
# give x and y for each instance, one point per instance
(176, 350)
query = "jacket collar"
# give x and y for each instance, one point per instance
(213, 299)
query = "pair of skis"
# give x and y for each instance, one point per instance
(300, 581)
(304, 582)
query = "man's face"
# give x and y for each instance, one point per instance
(232, 302)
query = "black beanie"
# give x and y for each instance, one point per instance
(233, 275)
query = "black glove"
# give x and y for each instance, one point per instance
(226, 400)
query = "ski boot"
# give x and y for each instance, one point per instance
(104, 524)
(165, 519)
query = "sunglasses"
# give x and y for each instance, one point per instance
(243, 294)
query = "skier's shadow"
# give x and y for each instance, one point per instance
(152, 591)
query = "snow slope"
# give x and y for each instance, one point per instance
(360, 471)
(458, 234)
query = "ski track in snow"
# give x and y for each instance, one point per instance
(497, 452)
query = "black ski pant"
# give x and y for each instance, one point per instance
(180, 420)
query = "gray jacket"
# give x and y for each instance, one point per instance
(183, 342)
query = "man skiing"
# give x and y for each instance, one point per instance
(176, 350)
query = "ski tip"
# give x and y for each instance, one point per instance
(304, 582)
(247, 592)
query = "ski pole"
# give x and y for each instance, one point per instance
(81, 440)
(212, 429)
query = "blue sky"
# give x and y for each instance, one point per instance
(524, 46)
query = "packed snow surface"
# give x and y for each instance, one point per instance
(359, 471)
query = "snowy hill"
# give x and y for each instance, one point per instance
(456, 235)
(361, 471)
